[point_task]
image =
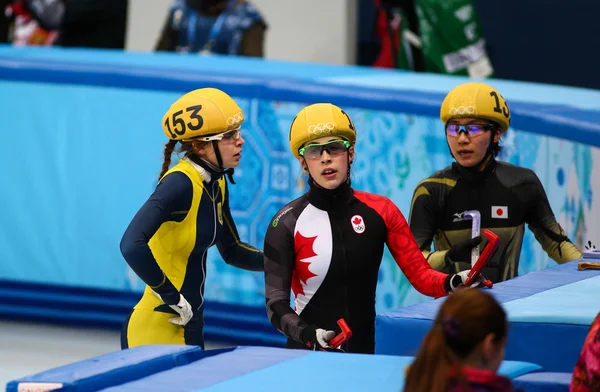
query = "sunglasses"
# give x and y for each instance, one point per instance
(334, 148)
(236, 134)
(472, 130)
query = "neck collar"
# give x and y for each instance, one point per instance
(215, 172)
(329, 200)
(209, 172)
(481, 377)
(472, 174)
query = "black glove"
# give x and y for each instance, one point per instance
(461, 252)
(318, 339)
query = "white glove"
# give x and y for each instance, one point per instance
(461, 277)
(184, 309)
(323, 337)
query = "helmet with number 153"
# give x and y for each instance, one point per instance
(477, 100)
(202, 112)
(320, 120)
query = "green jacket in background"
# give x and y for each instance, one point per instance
(451, 40)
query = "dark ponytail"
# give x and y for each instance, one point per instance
(169, 147)
(429, 372)
(464, 320)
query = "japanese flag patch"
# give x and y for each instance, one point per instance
(500, 212)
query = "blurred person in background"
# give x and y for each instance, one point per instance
(68, 23)
(4, 21)
(228, 27)
(586, 376)
(439, 36)
(35, 26)
(326, 246)
(167, 241)
(398, 30)
(464, 349)
(475, 116)
(451, 40)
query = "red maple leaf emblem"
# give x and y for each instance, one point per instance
(357, 220)
(303, 247)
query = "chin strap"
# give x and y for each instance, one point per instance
(211, 168)
(228, 172)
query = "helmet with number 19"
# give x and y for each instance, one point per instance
(468, 112)
(477, 100)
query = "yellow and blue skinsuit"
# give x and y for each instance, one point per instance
(166, 246)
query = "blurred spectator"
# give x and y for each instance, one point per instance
(439, 36)
(232, 27)
(4, 21)
(464, 349)
(94, 24)
(28, 28)
(586, 377)
(398, 30)
(71, 23)
(451, 38)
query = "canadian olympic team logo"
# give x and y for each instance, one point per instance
(321, 128)
(462, 110)
(235, 120)
(358, 224)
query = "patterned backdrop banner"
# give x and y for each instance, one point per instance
(81, 156)
(394, 152)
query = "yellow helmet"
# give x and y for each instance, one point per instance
(476, 100)
(319, 120)
(202, 112)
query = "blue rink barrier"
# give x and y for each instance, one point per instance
(108, 309)
(244, 368)
(88, 148)
(550, 313)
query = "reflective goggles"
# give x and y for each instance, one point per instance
(334, 148)
(235, 134)
(472, 130)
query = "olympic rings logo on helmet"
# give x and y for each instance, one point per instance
(462, 110)
(236, 119)
(321, 128)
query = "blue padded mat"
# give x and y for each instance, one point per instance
(324, 372)
(213, 370)
(514, 369)
(114, 368)
(576, 303)
(544, 382)
(520, 287)
(266, 369)
(547, 323)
